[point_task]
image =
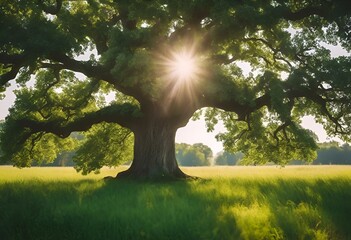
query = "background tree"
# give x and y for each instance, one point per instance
(332, 153)
(206, 150)
(64, 159)
(193, 155)
(226, 158)
(163, 60)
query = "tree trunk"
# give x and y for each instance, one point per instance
(154, 151)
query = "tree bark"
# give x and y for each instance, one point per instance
(154, 151)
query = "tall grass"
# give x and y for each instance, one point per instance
(229, 203)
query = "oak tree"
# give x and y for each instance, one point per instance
(163, 60)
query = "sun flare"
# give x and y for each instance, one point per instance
(183, 67)
(181, 70)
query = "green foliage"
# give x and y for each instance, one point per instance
(23, 21)
(105, 145)
(37, 149)
(193, 155)
(261, 144)
(64, 159)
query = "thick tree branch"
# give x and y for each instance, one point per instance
(88, 68)
(8, 76)
(92, 70)
(322, 103)
(243, 110)
(275, 51)
(12, 59)
(280, 128)
(302, 13)
(123, 114)
(15, 62)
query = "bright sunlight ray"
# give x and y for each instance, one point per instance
(183, 67)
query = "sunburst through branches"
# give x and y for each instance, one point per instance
(183, 67)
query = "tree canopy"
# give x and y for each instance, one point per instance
(164, 60)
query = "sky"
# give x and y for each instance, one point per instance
(195, 131)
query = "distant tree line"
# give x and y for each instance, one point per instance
(333, 153)
(329, 153)
(226, 158)
(201, 155)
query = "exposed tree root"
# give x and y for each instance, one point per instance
(146, 176)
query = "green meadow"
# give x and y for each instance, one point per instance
(299, 202)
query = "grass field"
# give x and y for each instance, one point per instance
(304, 202)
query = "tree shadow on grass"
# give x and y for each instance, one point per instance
(108, 210)
(167, 210)
(202, 209)
(302, 209)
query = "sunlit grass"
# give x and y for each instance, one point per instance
(9, 173)
(238, 172)
(228, 203)
(271, 172)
